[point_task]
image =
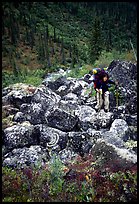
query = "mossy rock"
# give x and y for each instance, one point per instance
(8, 121)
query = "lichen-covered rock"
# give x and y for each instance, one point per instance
(19, 136)
(63, 90)
(71, 97)
(8, 122)
(101, 119)
(131, 119)
(126, 74)
(67, 155)
(119, 127)
(46, 97)
(33, 113)
(89, 118)
(80, 143)
(61, 120)
(26, 156)
(19, 117)
(68, 106)
(91, 101)
(20, 93)
(54, 85)
(132, 133)
(85, 115)
(50, 137)
(76, 88)
(112, 156)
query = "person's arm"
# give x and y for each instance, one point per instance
(111, 82)
(99, 87)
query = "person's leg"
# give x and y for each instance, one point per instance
(99, 101)
(106, 101)
(97, 97)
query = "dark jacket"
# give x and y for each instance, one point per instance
(104, 85)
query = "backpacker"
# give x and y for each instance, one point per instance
(98, 74)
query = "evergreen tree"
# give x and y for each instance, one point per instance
(95, 42)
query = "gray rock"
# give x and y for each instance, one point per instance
(71, 97)
(61, 120)
(109, 155)
(68, 106)
(19, 136)
(58, 82)
(63, 90)
(46, 97)
(85, 114)
(19, 117)
(131, 119)
(89, 118)
(76, 88)
(50, 137)
(22, 157)
(67, 154)
(20, 93)
(120, 128)
(34, 113)
(126, 74)
(80, 142)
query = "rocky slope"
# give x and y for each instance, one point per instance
(57, 117)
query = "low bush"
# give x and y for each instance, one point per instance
(80, 181)
(25, 76)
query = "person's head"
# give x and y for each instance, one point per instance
(105, 77)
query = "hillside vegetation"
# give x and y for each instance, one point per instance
(50, 35)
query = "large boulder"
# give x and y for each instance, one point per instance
(26, 156)
(89, 118)
(85, 114)
(118, 133)
(120, 128)
(19, 93)
(80, 142)
(46, 97)
(76, 88)
(68, 106)
(126, 74)
(119, 69)
(102, 119)
(33, 113)
(50, 137)
(110, 156)
(43, 100)
(19, 136)
(54, 85)
(71, 97)
(61, 120)
(67, 155)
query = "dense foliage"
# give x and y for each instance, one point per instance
(44, 34)
(55, 183)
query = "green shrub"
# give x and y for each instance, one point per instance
(107, 57)
(26, 76)
(85, 183)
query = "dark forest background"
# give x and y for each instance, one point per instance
(49, 35)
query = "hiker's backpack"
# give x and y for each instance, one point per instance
(98, 75)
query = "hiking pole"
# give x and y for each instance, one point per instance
(117, 94)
